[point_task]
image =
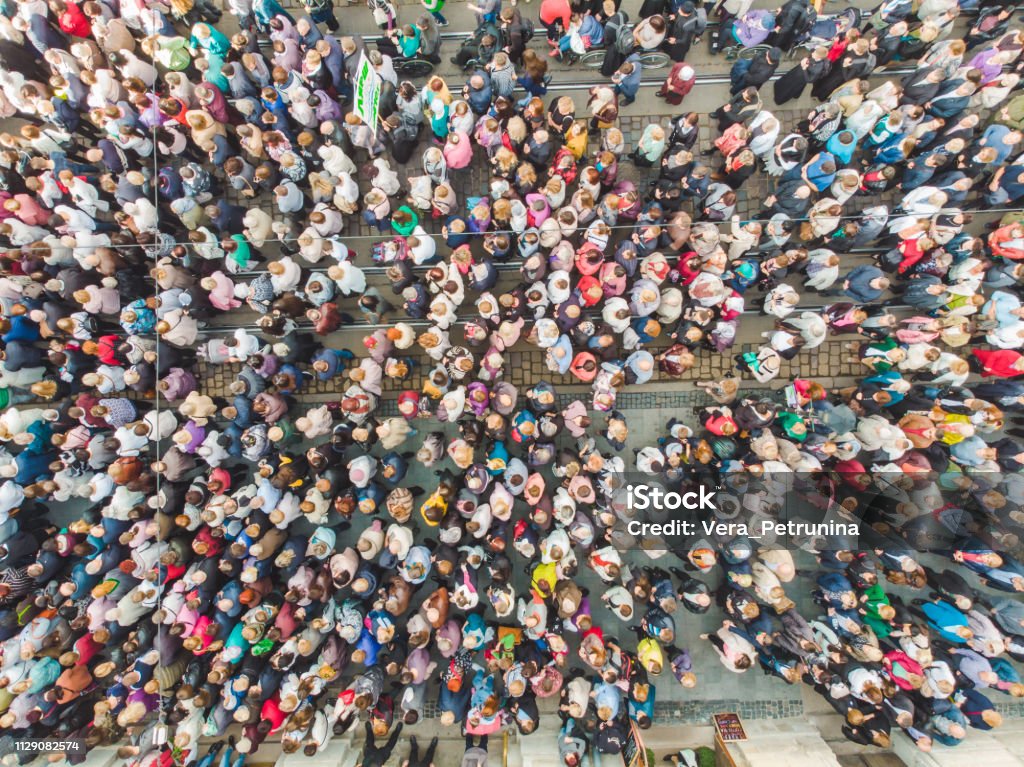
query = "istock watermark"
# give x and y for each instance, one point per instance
(678, 508)
(654, 498)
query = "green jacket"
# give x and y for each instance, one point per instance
(406, 229)
(1014, 117)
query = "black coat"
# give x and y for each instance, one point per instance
(787, 202)
(791, 21)
(917, 89)
(651, 8)
(683, 30)
(791, 85)
(762, 68)
(859, 67)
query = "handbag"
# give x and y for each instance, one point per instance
(381, 14)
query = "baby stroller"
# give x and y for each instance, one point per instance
(826, 29)
(389, 251)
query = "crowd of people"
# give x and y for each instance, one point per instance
(173, 554)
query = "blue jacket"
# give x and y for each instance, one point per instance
(629, 86)
(943, 618)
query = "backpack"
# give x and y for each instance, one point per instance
(615, 24)
(528, 30)
(702, 21)
(624, 42)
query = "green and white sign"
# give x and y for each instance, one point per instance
(367, 93)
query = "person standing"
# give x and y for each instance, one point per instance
(856, 64)
(322, 12)
(475, 755)
(679, 82)
(434, 7)
(789, 23)
(810, 69)
(374, 755)
(627, 79)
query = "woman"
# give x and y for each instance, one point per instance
(603, 105)
(534, 77)
(679, 82)
(1005, 363)
(856, 64)
(555, 15)
(651, 146)
(650, 33)
(738, 167)
(685, 130)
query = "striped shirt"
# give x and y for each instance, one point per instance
(19, 581)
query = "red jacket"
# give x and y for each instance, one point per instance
(912, 253)
(74, 22)
(998, 364)
(999, 241)
(556, 10)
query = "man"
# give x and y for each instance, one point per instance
(430, 37)
(627, 79)
(922, 85)
(743, 107)
(757, 71)
(810, 69)
(322, 12)
(865, 284)
(478, 92)
(686, 28)
(791, 20)
(793, 198)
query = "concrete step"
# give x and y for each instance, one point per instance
(790, 742)
(340, 751)
(980, 748)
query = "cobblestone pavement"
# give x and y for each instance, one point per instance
(475, 180)
(525, 368)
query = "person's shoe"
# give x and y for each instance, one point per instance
(442, 23)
